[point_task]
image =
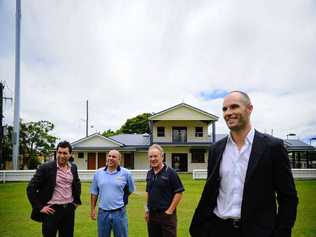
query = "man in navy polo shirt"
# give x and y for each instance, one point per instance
(164, 192)
(111, 185)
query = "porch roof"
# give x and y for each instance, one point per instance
(297, 145)
(132, 139)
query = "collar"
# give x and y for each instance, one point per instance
(68, 164)
(164, 167)
(117, 169)
(248, 139)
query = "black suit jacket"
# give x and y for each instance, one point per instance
(41, 187)
(269, 200)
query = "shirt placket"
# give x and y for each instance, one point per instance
(236, 181)
(237, 176)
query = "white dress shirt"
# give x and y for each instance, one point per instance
(232, 173)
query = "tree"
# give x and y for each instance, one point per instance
(33, 163)
(109, 133)
(7, 144)
(34, 140)
(138, 124)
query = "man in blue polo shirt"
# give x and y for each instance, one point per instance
(111, 185)
(164, 192)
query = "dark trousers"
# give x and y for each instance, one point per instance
(218, 227)
(62, 221)
(162, 225)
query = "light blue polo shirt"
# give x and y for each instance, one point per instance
(109, 187)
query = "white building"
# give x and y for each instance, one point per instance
(181, 130)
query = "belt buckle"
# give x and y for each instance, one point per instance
(236, 223)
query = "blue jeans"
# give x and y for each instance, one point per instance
(116, 220)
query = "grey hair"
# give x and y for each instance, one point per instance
(157, 147)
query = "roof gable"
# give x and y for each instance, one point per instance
(183, 111)
(96, 140)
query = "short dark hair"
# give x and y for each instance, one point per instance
(64, 144)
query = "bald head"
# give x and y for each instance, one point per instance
(237, 109)
(113, 159)
(244, 97)
(115, 152)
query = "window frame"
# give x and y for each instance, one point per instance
(198, 160)
(199, 133)
(161, 133)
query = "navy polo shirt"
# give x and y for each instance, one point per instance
(161, 188)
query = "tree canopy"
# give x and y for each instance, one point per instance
(109, 133)
(34, 139)
(138, 124)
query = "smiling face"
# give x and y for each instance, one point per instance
(155, 157)
(113, 159)
(236, 111)
(63, 155)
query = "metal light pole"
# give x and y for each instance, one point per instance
(16, 123)
(87, 118)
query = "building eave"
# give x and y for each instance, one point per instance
(211, 116)
(96, 135)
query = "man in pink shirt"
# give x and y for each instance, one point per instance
(54, 193)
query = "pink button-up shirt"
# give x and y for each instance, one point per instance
(63, 189)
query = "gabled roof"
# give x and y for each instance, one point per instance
(132, 139)
(103, 141)
(207, 116)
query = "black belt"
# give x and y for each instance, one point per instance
(235, 223)
(62, 205)
(112, 210)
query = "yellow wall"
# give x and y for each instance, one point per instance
(190, 125)
(141, 161)
(80, 162)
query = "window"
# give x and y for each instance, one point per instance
(160, 131)
(129, 160)
(179, 134)
(199, 131)
(80, 155)
(198, 157)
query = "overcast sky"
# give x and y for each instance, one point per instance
(129, 57)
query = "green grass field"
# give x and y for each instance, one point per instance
(15, 211)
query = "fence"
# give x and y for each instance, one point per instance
(297, 173)
(85, 175)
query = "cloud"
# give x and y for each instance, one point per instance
(130, 57)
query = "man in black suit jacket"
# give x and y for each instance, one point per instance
(54, 193)
(250, 191)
